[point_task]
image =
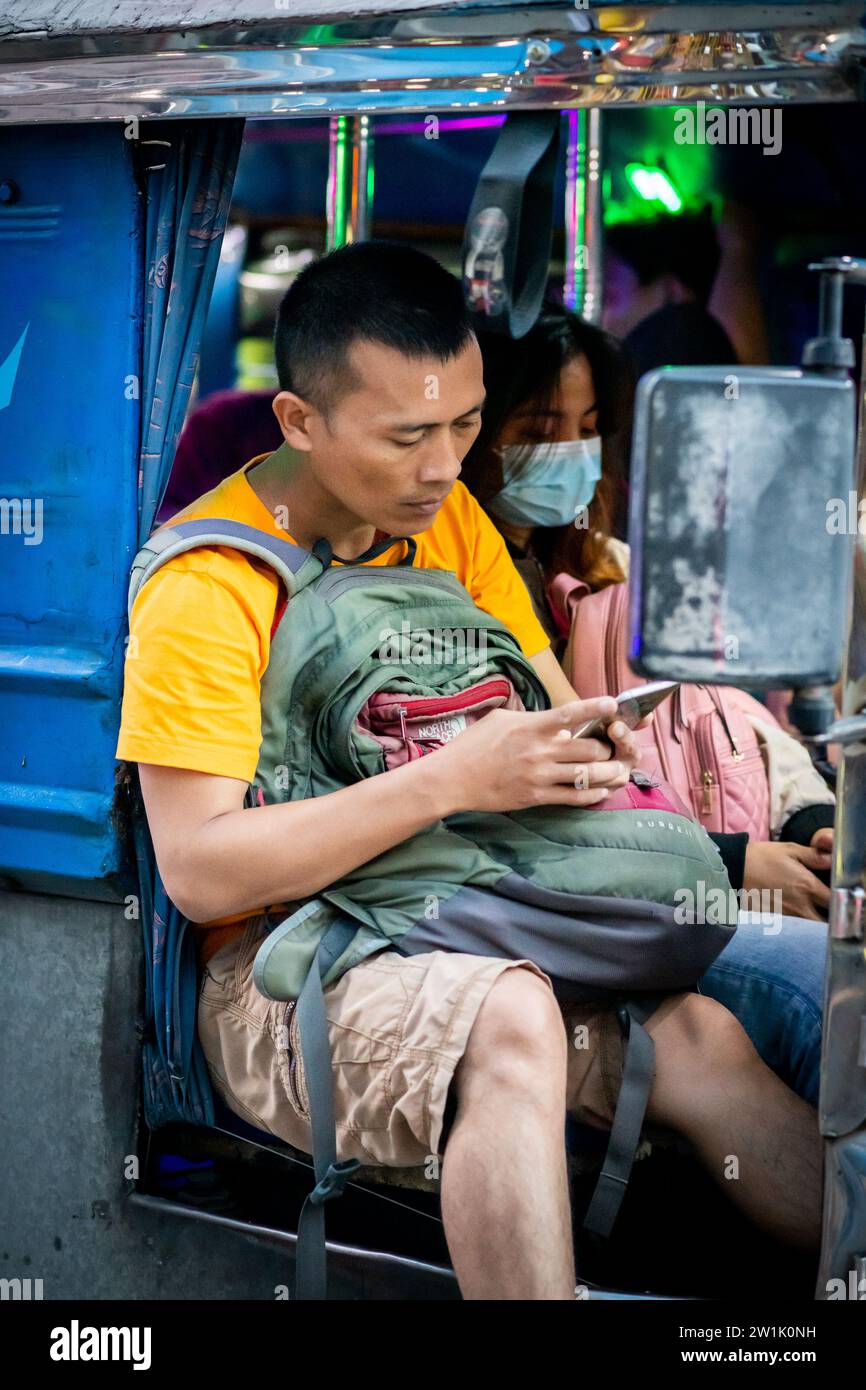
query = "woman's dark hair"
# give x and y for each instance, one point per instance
(526, 372)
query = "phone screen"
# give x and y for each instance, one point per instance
(631, 707)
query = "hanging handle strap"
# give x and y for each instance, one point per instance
(506, 246)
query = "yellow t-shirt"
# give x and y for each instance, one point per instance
(200, 630)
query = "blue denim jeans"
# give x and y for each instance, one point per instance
(771, 976)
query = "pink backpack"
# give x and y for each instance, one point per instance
(700, 741)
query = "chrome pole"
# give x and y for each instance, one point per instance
(583, 214)
(349, 195)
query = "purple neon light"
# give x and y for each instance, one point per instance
(269, 133)
(455, 123)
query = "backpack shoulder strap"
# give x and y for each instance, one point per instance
(295, 566)
(331, 1175)
(638, 1073)
(595, 656)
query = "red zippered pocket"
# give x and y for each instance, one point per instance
(464, 699)
(411, 726)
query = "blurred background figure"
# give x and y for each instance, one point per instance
(658, 278)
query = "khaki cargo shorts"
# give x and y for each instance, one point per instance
(398, 1026)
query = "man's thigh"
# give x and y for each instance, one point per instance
(397, 1026)
(771, 976)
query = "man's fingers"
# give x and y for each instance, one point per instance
(581, 750)
(585, 775)
(820, 892)
(810, 858)
(624, 741)
(803, 908)
(575, 712)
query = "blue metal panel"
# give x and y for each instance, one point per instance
(70, 347)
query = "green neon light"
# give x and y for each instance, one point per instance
(579, 269)
(654, 186)
(341, 209)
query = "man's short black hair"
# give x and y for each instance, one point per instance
(382, 291)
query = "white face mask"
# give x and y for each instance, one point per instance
(549, 484)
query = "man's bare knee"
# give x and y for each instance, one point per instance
(518, 1039)
(702, 1031)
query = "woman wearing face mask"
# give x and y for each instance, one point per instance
(536, 468)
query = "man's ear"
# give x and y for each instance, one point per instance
(293, 416)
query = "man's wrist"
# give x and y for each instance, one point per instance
(441, 791)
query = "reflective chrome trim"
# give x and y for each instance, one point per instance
(847, 916)
(844, 1230)
(543, 56)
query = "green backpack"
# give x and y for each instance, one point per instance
(383, 664)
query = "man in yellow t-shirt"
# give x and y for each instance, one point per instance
(192, 690)
(381, 397)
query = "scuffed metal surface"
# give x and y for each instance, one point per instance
(731, 520)
(142, 16)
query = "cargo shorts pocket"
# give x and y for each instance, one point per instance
(360, 1060)
(288, 1049)
(596, 1067)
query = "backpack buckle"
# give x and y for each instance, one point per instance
(334, 1181)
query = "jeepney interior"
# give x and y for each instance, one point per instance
(89, 213)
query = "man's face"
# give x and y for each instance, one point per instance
(392, 447)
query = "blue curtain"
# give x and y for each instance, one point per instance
(189, 170)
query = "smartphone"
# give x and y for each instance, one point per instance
(631, 707)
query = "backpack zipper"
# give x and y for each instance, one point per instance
(707, 799)
(709, 763)
(293, 1061)
(445, 704)
(716, 698)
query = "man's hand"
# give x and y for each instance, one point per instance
(822, 840)
(512, 759)
(788, 868)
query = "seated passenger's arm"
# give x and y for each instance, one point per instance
(555, 680)
(218, 857)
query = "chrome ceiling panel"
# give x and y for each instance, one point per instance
(81, 62)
